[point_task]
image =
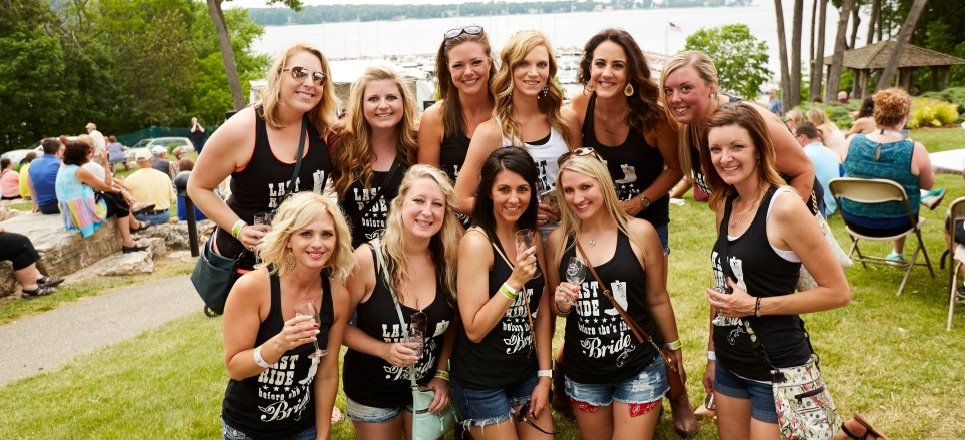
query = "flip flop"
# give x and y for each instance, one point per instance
(869, 430)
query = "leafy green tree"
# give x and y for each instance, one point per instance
(740, 58)
(28, 60)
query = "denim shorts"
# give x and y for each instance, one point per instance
(663, 233)
(229, 433)
(371, 414)
(759, 392)
(490, 406)
(648, 386)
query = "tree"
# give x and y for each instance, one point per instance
(741, 59)
(834, 73)
(903, 37)
(817, 63)
(227, 54)
(782, 53)
(797, 22)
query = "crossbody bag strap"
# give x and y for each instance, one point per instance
(376, 245)
(388, 179)
(639, 333)
(298, 156)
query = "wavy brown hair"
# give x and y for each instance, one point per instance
(453, 121)
(353, 156)
(890, 106)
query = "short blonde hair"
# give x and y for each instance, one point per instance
(297, 213)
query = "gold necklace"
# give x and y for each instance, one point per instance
(734, 221)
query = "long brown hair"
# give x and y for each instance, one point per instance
(453, 121)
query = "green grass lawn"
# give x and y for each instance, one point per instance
(887, 357)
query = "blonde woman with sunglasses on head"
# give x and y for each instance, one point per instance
(258, 146)
(528, 113)
(615, 383)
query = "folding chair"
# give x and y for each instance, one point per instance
(878, 191)
(956, 212)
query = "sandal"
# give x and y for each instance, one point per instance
(47, 280)
(144, 225)
(869, 430)
(41, 290)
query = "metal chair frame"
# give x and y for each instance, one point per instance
(957, 251)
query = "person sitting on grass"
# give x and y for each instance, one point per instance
(20, 251)
(153, 187)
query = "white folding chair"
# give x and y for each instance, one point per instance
(956, 212)
(878, 191)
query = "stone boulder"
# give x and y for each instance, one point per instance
(175, 235)
(126, 264)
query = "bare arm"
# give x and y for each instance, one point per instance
(485, 140)
(651, 257)
(791, 160)
(326, 379)
(84, 176)
(665, 137)
(921, 165)
(430, 135)
(573, 126)
(545, 321)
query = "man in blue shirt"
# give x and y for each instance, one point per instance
(826, 166)
(43, 176)
(774, 103)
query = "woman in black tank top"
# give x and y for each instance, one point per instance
(689, 84)
(417, 247)
(374, 150)
(605, 366)
(764, 236)
(257, 147)
(276, 388)
(502, 359)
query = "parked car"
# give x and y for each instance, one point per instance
(16, 156)
(169, 144)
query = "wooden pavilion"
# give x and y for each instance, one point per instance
(873, 58)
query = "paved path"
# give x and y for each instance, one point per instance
(47, 341)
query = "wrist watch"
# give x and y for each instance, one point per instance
(644, 201)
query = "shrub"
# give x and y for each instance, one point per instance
(955, 95)
(927, 112)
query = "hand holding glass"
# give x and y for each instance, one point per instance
(308, 309)
(575, 274)
(526, 239)
(417, 330)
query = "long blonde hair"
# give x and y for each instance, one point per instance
(353, 157)
(570, 224)
(689, 137)
(322, 115)
(297, 213)
(443, 247)
(550, 103)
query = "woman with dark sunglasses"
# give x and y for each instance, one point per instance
(528, 112)
(257, 148)
(465, 70)
(624, 120)
(502, 360)
(615, 384)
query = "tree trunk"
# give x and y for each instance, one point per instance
(814, 13)
(834, 73)
(873, 21)
(855, 22)
(227, 54)
(782, 46)
(904, 36)
(817, 73)
(796, 24)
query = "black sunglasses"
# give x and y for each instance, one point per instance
(521, 417)
(583, 151)
(471, 30)
(299, 72)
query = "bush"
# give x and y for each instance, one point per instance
(955, 95)
(928, 112)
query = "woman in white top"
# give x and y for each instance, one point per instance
(831, 135)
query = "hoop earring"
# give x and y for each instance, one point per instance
(290, 261)
(628, 90)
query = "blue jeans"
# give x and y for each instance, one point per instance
(229, 433)
(490, 406)
(155, 219)
(759, 392)
(664, 235)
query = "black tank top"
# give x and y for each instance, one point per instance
(263, 183)
(452, 153)
(506, 355)
(279, 402)
(372, 381)
(599, 347)
(762, 273)
(369, 224)
(634, 165)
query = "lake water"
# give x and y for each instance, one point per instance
(649, 27)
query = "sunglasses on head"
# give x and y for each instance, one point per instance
(299, 72)
(471, 30)
(521, 418)
(583, 151)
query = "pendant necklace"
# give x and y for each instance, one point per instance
(734, 221)
(592, 243)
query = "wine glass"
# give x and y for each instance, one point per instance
(575, 273)
(417, 330)
(525, 239)
(308, 309)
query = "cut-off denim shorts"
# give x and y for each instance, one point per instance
(371, 414)
(663, 233)
(648, 386)
(759, 392)
(229, 433)
(490, 406)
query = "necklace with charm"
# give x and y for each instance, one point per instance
(734, 221)
(592, 243)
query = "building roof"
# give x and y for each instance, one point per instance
(875, 56)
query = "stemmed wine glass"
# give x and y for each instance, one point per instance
(525, 239)
(575, 273)
(308, 309)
